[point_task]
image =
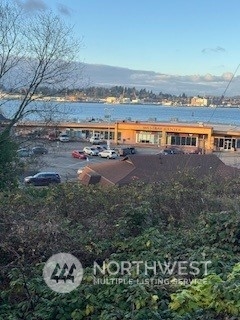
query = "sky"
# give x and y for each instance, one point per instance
(189, 40)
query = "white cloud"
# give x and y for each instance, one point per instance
(208, 84)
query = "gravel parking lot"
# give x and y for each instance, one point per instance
(59, 158)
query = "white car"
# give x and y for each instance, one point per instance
(95, 140)
(110, 154)
(64, 138)
(91, 151)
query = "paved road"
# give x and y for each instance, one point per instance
(230, 158)
(59, 158)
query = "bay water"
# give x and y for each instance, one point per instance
(80, 111)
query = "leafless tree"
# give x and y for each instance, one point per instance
(36, 50)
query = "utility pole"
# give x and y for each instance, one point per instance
(108, 117)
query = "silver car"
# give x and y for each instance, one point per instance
(91, 151)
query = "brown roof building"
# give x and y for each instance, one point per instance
(156, 168)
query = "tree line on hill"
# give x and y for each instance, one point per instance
(99, 93)
(119, 92)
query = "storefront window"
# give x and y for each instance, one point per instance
(147, 137)
(183, 141)
(173, 140)
(220, 143)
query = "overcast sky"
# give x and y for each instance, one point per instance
(182, 42)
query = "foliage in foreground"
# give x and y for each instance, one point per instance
(9, 164)
(182, 220)
(211, 293)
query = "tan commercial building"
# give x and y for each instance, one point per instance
(188, 136)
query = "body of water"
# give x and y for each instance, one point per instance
(98, 111)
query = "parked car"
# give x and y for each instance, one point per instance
(171, 151)
(39, 150)
(95, 140)
(110, 154)
(24, 152)
(101, 147)
(194, 151)
(43, 179)
(133, 150)
(64, 137)
(79, 154)
(91, 151)
(124, 151)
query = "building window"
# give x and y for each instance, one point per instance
(147, 137)
(105, 135)
(119, 136)
(238, 143)
(194, 141)
(183, 141)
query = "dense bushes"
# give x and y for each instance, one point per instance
(181, 220)
(10, 166)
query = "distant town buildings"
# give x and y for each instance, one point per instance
(199, 102)
(111, 100)
(121, 95)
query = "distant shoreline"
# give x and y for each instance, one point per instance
(62, 100)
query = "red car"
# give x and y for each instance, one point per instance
(79, 154)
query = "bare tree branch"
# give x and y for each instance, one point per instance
(35, 51)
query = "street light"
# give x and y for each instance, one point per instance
(108, 116)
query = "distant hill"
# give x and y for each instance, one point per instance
(108, 76)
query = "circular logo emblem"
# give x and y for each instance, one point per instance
(63, 272)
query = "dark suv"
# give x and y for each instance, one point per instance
(125, 151)
(39, 150)
(43, 179)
